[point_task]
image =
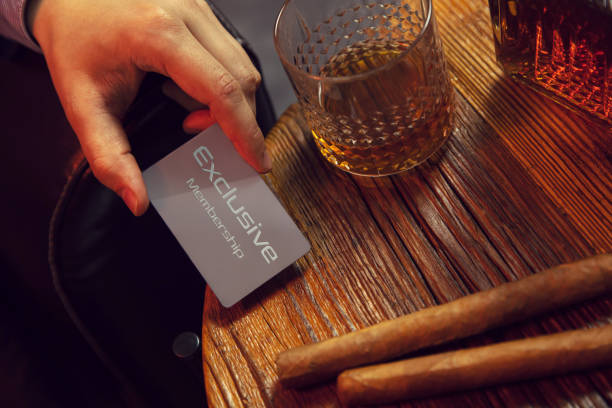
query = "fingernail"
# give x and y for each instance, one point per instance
(129, 198)
(267, 161)
(188, 126)
(190, 130)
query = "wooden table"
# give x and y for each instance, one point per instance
(522, 185)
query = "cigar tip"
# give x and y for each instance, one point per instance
(278, 360)
(302, 380)
(281, 365)
(348, 389)
(293, 369)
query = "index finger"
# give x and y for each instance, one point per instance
(200, 75)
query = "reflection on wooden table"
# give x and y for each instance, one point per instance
(522, 185)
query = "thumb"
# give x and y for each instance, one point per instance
(106, 148)
(120, 172)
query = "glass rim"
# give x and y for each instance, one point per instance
(352, 77)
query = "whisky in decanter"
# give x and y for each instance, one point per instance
(562, 48)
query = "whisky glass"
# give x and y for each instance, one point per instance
(370, 78)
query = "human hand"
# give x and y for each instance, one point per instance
(98, 52)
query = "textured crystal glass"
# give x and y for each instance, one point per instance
(371, 79)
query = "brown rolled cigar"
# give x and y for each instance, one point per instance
(477, 367)
(545, 291)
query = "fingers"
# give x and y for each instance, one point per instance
(224, 48)
(106, 147)
(97, 53)
(200, 117)
(197, 121)
(201, 75)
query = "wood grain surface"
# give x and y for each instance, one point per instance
(522, 185)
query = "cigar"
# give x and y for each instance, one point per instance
(548, 290)
(477, 367)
